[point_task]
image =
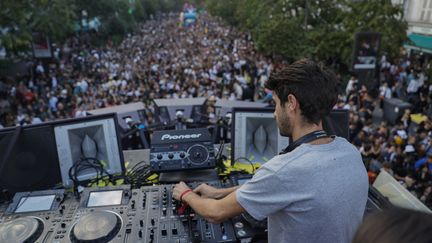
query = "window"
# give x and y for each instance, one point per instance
(426, 10)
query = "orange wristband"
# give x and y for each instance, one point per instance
(184, 193)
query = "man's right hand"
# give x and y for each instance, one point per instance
(207, 191)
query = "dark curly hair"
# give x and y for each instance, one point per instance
(314, 86)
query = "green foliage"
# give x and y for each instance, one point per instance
(320, 29)
(19, 19)
(57, 18)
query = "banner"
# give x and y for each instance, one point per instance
(41, 46)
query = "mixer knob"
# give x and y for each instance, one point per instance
(141, 223)
(170, 155)
(159, 156)
(152, 221)
(140, 234)
(182, 155)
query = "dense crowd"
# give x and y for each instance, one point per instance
(162, 60)
(403, 149)
(166, 60)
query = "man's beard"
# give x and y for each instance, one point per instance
(285, 126)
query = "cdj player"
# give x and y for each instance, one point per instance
(102, 215)
(34, 217)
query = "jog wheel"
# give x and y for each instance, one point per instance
(26, 230)
(198, 154)
(100, 226)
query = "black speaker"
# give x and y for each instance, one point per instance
(28, 159)
(134, 111)
(394, 108)
(91, 137)
(337, 123)
(190, 108)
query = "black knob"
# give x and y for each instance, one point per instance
(152, 221)
(141, 223)
(140, 234)
(159, 156)
(182, 155)
(63, 225)
(170, 155)
(164, 211)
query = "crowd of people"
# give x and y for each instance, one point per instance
(162, 60)
(402, 147)
(209, 59)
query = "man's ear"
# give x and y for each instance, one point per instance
(292, 102)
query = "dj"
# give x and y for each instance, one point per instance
(316, 189)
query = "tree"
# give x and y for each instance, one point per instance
(20, 19)
(324, 30)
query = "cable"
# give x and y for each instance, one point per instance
(85, 164)
(138, 175)
(247, 160)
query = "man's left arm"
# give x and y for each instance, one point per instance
(214, 211)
